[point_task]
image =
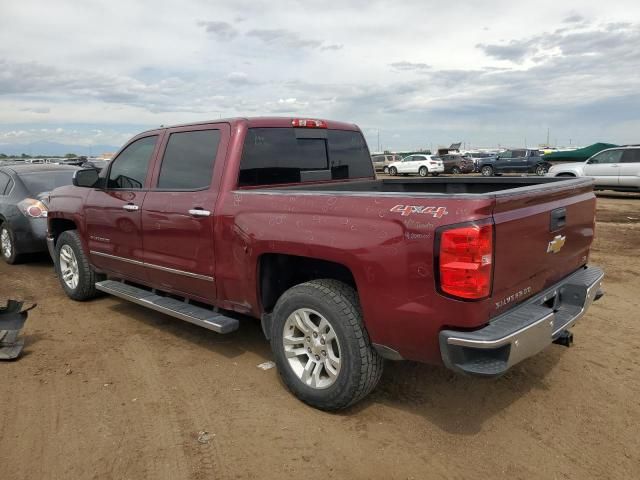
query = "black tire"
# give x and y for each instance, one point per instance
(435, 174)
(393, 171)
(486, 171)
(541, 170)
(11, 256)
(455, 170)
(86, 288)
(423, 172)
(361, 366)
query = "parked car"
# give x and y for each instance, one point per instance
(477, 157)
(382, 162)
(420, 164)
(97, 163)
(23, 206)
(514, 161)
(456, 164)
(612, 169)
(212, 222)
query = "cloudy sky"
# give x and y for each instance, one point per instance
(421, 73)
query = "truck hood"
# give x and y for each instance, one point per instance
(567, 166)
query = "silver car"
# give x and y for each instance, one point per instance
(615, 168)
(381, 162)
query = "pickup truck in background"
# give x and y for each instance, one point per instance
(284, 220)
(514, 161)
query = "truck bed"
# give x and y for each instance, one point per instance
(441, 185)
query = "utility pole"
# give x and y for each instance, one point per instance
(547, 136)
(379, 141)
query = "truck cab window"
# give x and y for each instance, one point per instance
(188, 160)
(129, 169)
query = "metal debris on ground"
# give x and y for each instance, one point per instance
(204, 436)
(12, 319)
(266, 365)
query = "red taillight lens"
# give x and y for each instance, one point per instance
(308, 123)
(466, 261)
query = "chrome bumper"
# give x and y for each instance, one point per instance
(524, 330)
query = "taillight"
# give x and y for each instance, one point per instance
(308, 123)
(33, 208)
(465, 261)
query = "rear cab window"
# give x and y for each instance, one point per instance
(273, 156)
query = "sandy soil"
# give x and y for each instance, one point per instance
(107, 389)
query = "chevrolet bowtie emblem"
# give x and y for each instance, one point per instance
(556, 244)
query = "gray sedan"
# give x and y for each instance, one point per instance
(23, 206)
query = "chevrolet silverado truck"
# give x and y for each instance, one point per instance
(284, 220)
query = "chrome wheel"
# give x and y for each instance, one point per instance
(5, 243)
(69, 267)
(540, 170)
(312, 348)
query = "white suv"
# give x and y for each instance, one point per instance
(615, 168)
(420, 164)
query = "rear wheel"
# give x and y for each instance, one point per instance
(486, 171)
(76, 276)
(455, 170)
(423, 171)
(321, 346)
(393, 171)
(8, 245)
(435, 174)
(541, 170)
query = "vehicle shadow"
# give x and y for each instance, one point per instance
(456, 403)
(248, 338)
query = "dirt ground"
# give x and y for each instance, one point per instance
(108, 389)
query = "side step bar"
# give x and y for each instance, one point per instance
(197, 315)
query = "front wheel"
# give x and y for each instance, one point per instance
(321, 346)
(423, 171)
(393, 171)
(486, 171)
(76, 276)
(541, 170)
(455, 170)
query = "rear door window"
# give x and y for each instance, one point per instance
(188, 160)
(129, 169)
(631, 156)
(282, 155)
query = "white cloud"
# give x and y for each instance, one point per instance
(483, 73)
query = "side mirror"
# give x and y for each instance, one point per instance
(87, 178)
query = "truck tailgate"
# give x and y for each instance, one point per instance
(542, 234)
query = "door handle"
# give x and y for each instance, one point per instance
(198, 212)
(130, 207)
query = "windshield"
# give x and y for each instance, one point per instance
(38, 182)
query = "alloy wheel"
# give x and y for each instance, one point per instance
(5, 243)
(312, 349)
(69, 267)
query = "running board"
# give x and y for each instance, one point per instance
(170, 306)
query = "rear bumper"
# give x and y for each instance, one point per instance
(524, 330)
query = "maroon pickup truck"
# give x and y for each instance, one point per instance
(284, 220)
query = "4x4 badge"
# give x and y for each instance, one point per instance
(556, 244)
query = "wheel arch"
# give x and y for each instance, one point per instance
(278, 272)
